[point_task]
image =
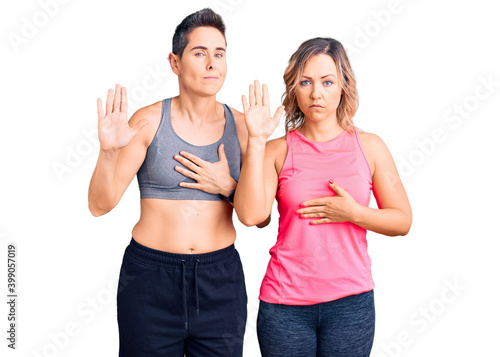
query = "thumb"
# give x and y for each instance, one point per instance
(244, 101)
(336, 188)
(278, 114)
(222, 154)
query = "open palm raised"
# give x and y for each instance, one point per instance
(257, 112)
(113, 129)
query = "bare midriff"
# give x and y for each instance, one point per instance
(185, 226)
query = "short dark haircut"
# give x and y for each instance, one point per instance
(206, 17)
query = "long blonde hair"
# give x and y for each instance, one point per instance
(349, 100)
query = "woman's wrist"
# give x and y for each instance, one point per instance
(356, 213)
(256, 147)
(229, 197)
(257, 140)
(227, 192)
(109, 154)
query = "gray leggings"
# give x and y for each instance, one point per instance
(339, 328)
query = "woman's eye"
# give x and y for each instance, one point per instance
(304, 83)
(327, 83)
(199, 54)
(218, 55)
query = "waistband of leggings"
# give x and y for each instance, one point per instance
(150, 256)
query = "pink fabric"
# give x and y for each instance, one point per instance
(317, 263)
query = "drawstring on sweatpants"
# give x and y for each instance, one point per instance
(196, 287)
(184, 293)
(184, 290)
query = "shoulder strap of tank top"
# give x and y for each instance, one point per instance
(230, 121)
(164, 119)
(358, 139)
(361, 153)
(165, 116)
(289, 146)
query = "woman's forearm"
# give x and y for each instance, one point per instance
(387, 221)
(250, 196)
(102, 188)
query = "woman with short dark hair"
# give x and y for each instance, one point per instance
(182, 289)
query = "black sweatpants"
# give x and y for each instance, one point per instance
(175, 304)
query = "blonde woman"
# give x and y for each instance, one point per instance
(316, 298)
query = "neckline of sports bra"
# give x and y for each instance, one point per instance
(169, 100)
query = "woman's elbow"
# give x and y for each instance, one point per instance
(98, 211)
(405, 226)
(249, 222)
(404, 232)
(264, 223)
(248, 219)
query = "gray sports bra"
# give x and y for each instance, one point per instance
(157, 177)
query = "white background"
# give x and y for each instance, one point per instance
(421, 68)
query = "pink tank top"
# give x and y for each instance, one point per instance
(318, 263)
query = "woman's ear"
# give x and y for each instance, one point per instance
(174, 63)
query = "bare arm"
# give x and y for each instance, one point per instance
(122, 151)
(258, 181)
(394, 216)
